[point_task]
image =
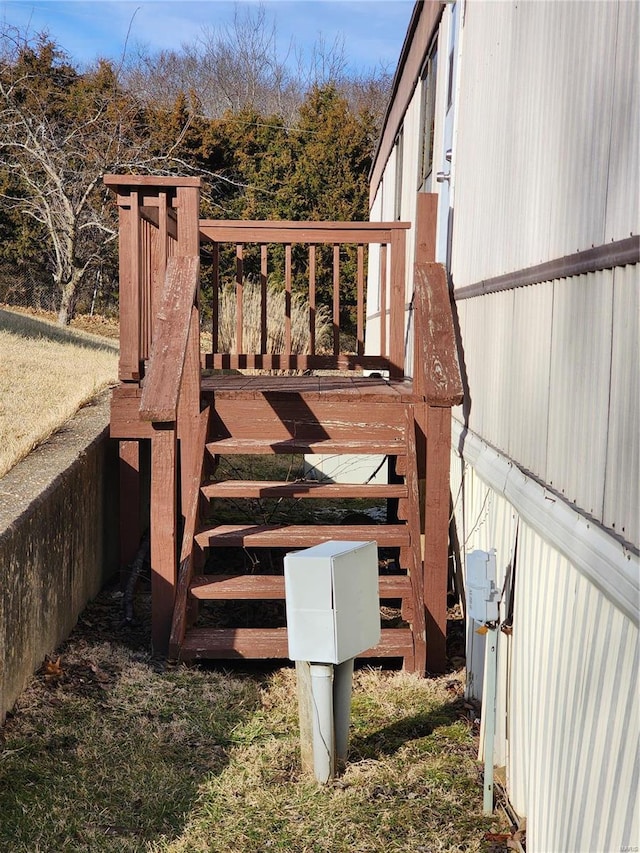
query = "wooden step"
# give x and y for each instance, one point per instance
(302, 489)
(330, 447)
(300, 536)
(263, 587)
(265, 643)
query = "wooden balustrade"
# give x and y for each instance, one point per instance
(157, 219)
(297, 255)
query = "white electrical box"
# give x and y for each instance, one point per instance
(483, 596)
(333, 606)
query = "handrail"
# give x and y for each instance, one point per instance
(436, 368)
(161, 390)
(283, 231)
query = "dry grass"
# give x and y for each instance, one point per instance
(251, 302)
(119, 753)
(46, 374)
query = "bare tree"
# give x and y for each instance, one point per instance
(242, 65)
(61, 131)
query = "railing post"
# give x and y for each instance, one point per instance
(164, 528)
(129, 294)
(188, 204)
(150, 232)
(397, 302)
(437, 380)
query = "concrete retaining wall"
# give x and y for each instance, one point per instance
(58, 542)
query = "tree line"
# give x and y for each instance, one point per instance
(269, 143)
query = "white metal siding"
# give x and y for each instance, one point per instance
(553, 375)
(488, 360)
(546, 164)
(573, 716)
(623, 203)
(579, 389)
(527, 410)
(548, 95)
(622, 481)
(567, 687)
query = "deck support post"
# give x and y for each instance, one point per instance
(130, 524)
(164, 558)
(436, 530)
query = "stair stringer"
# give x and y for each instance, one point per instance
(414, 555)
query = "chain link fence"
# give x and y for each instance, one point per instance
(36, 291)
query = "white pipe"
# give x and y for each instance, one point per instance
(322, 721)
(343, 680)
(489, 715)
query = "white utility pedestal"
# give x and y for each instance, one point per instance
(333, 615)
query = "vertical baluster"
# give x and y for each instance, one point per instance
(336, 299)
(129, 264)
(161, 252)
(397, 302)
(239, 295)
(312, 300)
(383, 299)
(360, 301)
(215, 291)
(287, 300)
(146, 319)
(263, 298)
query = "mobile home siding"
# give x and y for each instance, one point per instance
(552, 372)
(545, 165)
(555, 74)
(566, 696)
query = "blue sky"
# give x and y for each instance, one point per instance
(373, 30)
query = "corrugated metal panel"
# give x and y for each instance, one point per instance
(527, 411)
(622, 476)
(460, 315)
(567, 704)
(573, 720)
(579, 388)
(567, 675)
(553, 382)
(623, 206)
(534, 134)
(488, 354)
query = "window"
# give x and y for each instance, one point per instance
(427, 119)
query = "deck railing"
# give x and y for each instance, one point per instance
(317, 263)
(303, 258)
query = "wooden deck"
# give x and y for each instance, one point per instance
(192, 419)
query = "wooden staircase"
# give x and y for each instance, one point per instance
(274, 415)
(175, 423)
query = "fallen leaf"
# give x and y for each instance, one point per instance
(53, 669)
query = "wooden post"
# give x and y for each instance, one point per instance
(130, 531)
(417, 570)
(129, 229)
(436, 534)
(305, 714)
(397, 303)
(188, 202)
(437, 381)
(163, 534)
